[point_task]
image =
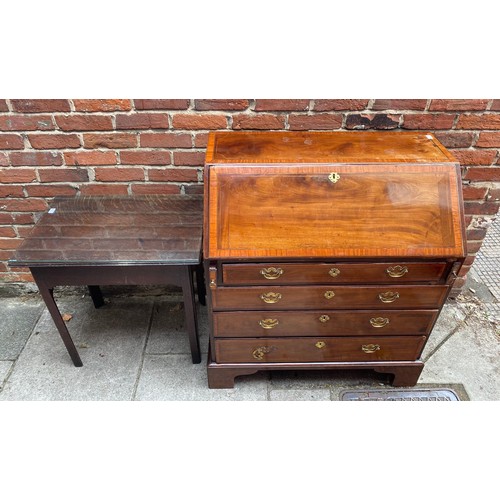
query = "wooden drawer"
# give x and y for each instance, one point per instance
(318, 349)
(315, 297)
(284, 273)
(322, 323)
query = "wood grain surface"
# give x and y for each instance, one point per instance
(300, 349)
(313, 297)
(335, 272)
(325, 147)
(372, 211)
(321, 323)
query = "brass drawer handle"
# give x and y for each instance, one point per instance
(324, 318)
(334, 272)
(379, 322)
(271, 273)
(268, 323)
(396, 271)
(320, 344)
(329, 294)
(271, 297)
(333, 177)
(369, 348)
(388, 297)
(261, 351)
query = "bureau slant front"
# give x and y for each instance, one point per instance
(328, 250)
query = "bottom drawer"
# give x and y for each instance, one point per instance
(318, 349)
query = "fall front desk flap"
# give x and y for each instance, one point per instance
(345, 194)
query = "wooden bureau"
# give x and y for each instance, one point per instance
(328, 250)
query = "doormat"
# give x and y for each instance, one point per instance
(398, 395)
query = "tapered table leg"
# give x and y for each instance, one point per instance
(96, 294)
(200, 285)
(190, 313)
(48, 297)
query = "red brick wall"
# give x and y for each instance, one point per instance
(119, 146)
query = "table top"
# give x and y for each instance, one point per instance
(115, 230)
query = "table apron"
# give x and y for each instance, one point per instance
(110, 275)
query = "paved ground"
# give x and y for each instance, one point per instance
(134, 348)
(486, 270)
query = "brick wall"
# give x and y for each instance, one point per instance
(146, 146)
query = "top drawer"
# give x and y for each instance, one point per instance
(289, 273)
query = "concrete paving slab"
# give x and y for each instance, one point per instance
(486, 266)
(298, 395)
(493, 313)
(332, 380)
(450, 318)
(44, 370)
(168, 333)
(488, 271)
(110, 340)
(5, 367)
(471, 356)
(173, 377)
(475, 287)
(17, 319)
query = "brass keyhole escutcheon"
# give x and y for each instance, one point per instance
(333, 177)
(268, 323)
(334, 272)
(396, 271)
(320, 344)
(379, 322)
(324, 318)
(271, 273)
(369, 348)
(271, 297)
(329, 294)
(388, 297)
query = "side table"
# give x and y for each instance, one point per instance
(139, 240)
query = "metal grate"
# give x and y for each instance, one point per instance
(398, 395)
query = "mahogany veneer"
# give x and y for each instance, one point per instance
(328, 250)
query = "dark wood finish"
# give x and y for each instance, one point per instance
(97, 241)
(96, 295)
(322, 323)
(48, 297)
(404, 376)
(313, 297)
(47, 278)
(113, 275)
(200, 285)
(190, 313)
(129, 230)
(335, 272)
(221, 376)
(306, 350)
(304, 225)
